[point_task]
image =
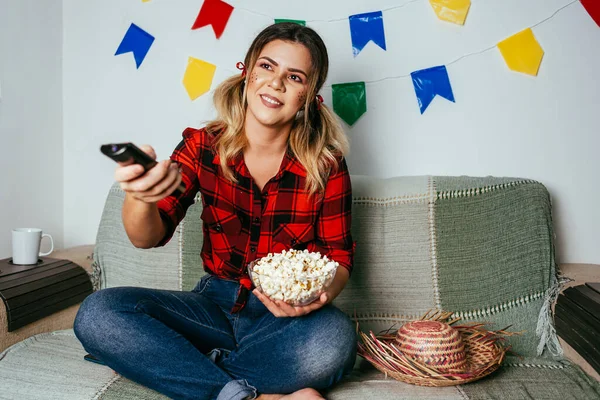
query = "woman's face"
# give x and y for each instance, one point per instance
(278, 83)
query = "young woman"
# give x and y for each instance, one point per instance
(272, 176)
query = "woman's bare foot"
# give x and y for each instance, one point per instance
(302, 394)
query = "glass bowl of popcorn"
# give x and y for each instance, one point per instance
(297, 277)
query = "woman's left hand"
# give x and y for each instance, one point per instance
(281, 309)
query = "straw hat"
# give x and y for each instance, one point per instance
(431, 352)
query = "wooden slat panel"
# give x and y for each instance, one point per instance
(30, 298)
(39, 284)
(7, 269)
(34, 292)
(85, 287)
(12, 325)
(595, 286)
(30, 276)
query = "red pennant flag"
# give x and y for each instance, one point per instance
(593, 8)
(215, 13)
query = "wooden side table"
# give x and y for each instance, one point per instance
(63, 319)
(31, 292)
(580, 273)
(577, 319)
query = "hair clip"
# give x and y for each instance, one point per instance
(319, 101)
(240, 65)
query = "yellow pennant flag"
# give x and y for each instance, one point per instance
(522, 52)
(198, 77)
(454, 11)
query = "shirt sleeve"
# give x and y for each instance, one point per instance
(172, 208)
(334, 238)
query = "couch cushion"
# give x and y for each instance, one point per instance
(175, 266)
(495, 254)
(62, 373)
(500, 239)
(51, 366)
(392, 265)
(535, 378)
(530, 378)
(480, 247)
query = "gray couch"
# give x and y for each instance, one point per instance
(481, 247)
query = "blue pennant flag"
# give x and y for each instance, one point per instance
(364, 28)
(137, 41)
(431, 82)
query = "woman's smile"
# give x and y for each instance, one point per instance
(270, 101)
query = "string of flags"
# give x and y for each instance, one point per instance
(521, 52)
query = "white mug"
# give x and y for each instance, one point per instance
(26, 245)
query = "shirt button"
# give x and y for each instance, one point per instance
(294, 242)
(256, 220)
(218, 228)
(252, 249)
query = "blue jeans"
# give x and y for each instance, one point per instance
(187, 345)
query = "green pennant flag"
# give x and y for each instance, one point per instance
(296, 21)
(349, 101)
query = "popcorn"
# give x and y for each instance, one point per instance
(295, 277)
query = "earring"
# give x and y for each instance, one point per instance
(300, 114)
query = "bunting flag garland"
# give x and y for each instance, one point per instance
(431, 82)
(593, 8)
(365, 28)
(522, 52)
(198, 77)
(215, 13)
(349, 101)
(137, 41)
(454, 11)
(296, 21)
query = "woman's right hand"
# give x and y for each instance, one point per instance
(152, 186)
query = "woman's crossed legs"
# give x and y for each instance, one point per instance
(184, 345)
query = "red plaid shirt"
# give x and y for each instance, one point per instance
(242, 224)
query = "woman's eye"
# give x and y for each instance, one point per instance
(265, 66)
(296, 78)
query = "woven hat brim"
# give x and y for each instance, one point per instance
(477, 367)
(484, 353)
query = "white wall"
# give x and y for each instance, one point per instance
(502, 124)
(31, 150)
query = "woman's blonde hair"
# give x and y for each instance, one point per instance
(316, 138)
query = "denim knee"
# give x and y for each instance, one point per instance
(343, 333)
(93, 311)
(83, 319)
(333, 348)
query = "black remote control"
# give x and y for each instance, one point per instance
(121, 152)
(93, 359)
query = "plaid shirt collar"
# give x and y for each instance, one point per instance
(290, 164)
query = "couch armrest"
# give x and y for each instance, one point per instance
(63, 319)
(580, 273)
